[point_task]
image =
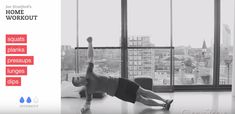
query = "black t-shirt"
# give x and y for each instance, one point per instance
(97, 83)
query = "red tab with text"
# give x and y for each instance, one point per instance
(16, 49)
(19, 60)
(16, 38)
(13, 81)
(16, 70)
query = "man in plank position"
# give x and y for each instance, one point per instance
(121, 88)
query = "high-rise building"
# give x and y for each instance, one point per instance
(226, 36)
(204, 48)
(65, 48)
(140, 62)
(67, 60)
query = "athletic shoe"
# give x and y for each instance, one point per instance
(168, 104)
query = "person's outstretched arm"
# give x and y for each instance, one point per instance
(89, 71)
(90, 50)
(90, 57)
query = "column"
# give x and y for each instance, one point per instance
(233, 75)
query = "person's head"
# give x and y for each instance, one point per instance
(79, 81)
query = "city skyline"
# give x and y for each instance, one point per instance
(154, 63)
(151, 44)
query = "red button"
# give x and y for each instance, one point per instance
(13, 81)
(16, 70)
(19, 60)
(16, 38)
(16, 49)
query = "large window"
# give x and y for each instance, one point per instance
(68, 38)
(193, 34)
(149, 40)
(183, 50)
(107, 62)
(153, 63)
(100, 19)
(149, 19)
(226, 41)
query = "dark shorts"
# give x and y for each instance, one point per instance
(127, 90)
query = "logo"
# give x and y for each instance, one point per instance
(28, 102)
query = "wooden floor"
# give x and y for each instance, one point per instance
(184, 103)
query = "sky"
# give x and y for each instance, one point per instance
(193, 21)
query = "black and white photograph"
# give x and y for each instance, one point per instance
(147, 56)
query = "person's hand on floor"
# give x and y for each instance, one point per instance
(85, 108)
(87, 112)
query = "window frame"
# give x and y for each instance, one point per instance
(124, 52)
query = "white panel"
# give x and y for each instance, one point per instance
(42, 83)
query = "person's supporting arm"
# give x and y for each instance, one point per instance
(87, 105)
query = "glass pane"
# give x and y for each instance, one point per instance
(149, 19)
(100, 19)
(193, 26)
(68, 23)
(107, 62)
(68, 38)
(226, 39)
(152, 63)
(67, 62)
(149, 26)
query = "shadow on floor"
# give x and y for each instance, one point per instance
(87, 112)
(154, 111)
(145, 111)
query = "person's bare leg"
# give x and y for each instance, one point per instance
(150, 94)
(148, 101)
(147, 97)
